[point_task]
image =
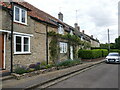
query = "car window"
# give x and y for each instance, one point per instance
(113, 54)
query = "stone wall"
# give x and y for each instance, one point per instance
(37, 42)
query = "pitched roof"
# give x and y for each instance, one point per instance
(41, 15)
(37, 13)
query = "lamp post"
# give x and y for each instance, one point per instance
(108, 41)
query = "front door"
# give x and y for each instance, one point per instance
(1, 51)
(71, 52)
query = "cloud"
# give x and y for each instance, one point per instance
(95, 16)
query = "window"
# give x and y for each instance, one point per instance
(63, 47)
(21, 44)
(20, 15)
(60, 29)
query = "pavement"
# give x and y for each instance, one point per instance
(34, 81)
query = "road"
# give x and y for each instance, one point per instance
(101, 76)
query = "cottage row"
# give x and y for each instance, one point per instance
(37, 36)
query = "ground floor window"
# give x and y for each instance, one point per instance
(63, 47)
(21, 44)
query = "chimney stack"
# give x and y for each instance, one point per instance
(83, 31)
(92, 36)
(60, 16)
(77, 27)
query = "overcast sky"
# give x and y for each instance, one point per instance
(93, 16)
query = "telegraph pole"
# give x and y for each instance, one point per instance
(108, 40)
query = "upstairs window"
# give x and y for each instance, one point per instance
(20, 15)
(60, 29)
(63, 47)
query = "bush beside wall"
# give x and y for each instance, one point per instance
(92, 54)
(115, 50)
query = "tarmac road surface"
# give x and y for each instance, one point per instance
(101, 76)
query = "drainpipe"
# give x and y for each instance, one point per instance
(47, 44)
(11, 37)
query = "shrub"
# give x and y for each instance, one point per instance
(85, 54)
(68, 63)
(43, 63)
(104, 52)
(49, 66)
(92, 54)
(115, 50)
(31, 69)
(32, 66)
(20, 70)
(37, 67)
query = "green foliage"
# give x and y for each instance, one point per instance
(92, 54)
(104, 52)
(49, 66)
(54, 49)
(69, 63)
(117, 43)
(31, 70)
(115, 50)
(105, 46)
(43, 63)
(86, 44)
(85, 54)
(72, 39)
(37, 67)
(20, 70)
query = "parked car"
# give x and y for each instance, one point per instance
(113, 57)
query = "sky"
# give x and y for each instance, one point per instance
(93, 16)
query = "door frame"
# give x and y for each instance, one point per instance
(71, 53)
(4, 51)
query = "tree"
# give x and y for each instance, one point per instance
(117, 42)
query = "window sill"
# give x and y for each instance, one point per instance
(22, 53)
(17, 22)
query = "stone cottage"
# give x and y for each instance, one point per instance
(32, 37)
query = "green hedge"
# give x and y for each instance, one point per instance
(92, 54)
(114, 50)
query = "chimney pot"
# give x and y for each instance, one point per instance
(60, 16)
(77, 27)
(92, 36)
(83, 31)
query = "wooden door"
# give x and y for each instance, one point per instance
(1, 51)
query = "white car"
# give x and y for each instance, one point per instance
(113, 58)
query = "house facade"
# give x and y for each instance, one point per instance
(31, 40)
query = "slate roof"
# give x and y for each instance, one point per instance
(43, 16)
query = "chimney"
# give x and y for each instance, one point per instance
(60, 16)
(83, 31)
(77, 27)
(92, 36)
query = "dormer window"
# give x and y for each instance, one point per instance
(60, 29)
(20, 15)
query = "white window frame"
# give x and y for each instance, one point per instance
(61, 29)
(63, 47)
(20, 16)
(22, 45)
